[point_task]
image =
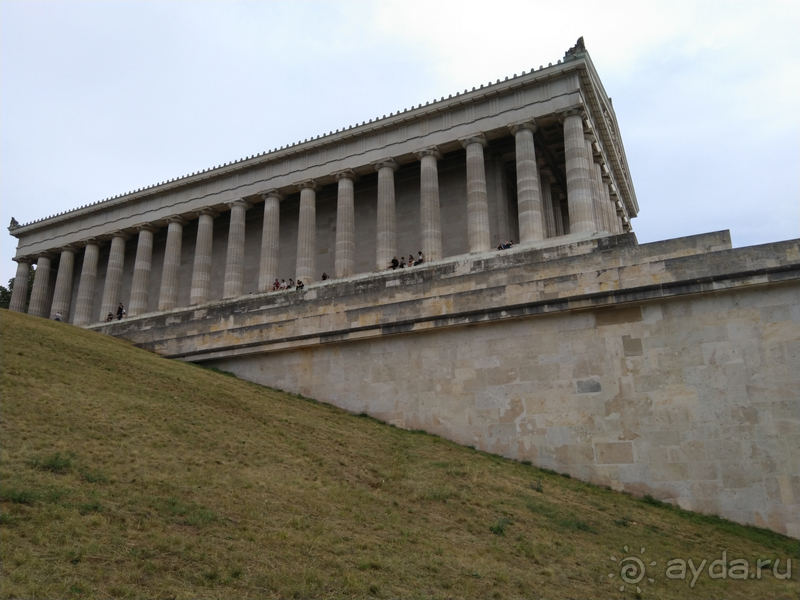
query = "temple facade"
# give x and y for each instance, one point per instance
(534, 157)
(670, 368)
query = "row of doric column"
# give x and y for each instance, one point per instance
(589, 197)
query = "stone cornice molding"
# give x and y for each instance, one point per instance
(346, 174)
(308, 184)
(387, 163)
(517, 127)
(477, 138)
(432, 151)
(273, 194)
(239, 202)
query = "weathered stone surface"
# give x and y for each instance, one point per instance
(687, 386)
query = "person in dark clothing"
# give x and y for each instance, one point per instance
(420, 260)
(324, 276)
(299, 285)
(120, 312)
(395, 263)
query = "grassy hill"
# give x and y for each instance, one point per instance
(123, 474)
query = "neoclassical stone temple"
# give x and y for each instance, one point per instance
(670, 368)
(533, 157)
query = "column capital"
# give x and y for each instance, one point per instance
(432, 151)
(177, 219)
(273, 194)
(68, 248)
(120, 234)
(572, 112)
(206, 211)
(478, 138)
(49, 254)
(308, 184)
(239, 202)
(523, 125)
(146, 227)
(388, 163)
(90, 240)
(346, 174)
(23, 259)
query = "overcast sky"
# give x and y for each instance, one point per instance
(99, 98)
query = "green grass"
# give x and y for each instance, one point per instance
(124, 475)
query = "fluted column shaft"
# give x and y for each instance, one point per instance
(529, 200)
(168, 295)
(547, 206)
(19, 294)
(140, 286)
(84, 305)
(41, 282)
(307, 233)
(595, 184)
(429, 214)
(345, 262)
(116, 262)
(62, 297)
(477, 197)
(579, 187)
(615, 220)
(559, 218)
(609, 209)
(201, 268)
(234, 259)
(270, 241)
(386, 243)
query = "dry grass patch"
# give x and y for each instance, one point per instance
(127, 475)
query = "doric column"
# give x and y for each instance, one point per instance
(429, 215)
(270, 240)
(19, 295)
(307, 232)
(477, 198)
(140, 286)
(547, 205)
(84, 305)
(559, 218)
(62, 297)
(610, 211)
(529, 200)
(168, 295)
(201, 270)
(386, 243)
(615, 218)
(41, 284)
(116, 262)
(234, 259)
(596, 183)
(579, 187)
(345, 261)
